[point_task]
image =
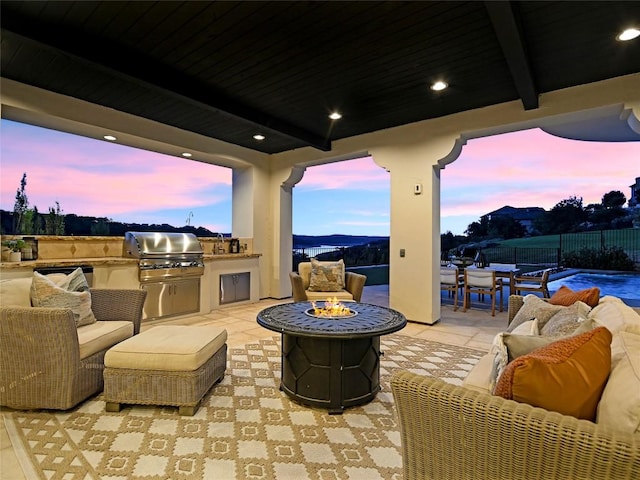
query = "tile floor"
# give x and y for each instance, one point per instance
(474, 328)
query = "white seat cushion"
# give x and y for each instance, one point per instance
(176, 348)
(340, 295)
(479, 378)
(100, 335)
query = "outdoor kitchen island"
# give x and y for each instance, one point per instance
(104, 256)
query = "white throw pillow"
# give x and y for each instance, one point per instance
(500, 351)
(616, 316)
(619, 406)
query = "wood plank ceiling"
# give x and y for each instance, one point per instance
(232, 69)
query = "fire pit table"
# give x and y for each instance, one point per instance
(331, 362)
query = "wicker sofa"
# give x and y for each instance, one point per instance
(47, 362)
(459, 432)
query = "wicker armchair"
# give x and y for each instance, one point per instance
(40, 359)
(354, 286)
(453, 433)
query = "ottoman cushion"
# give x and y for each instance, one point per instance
(175, 348)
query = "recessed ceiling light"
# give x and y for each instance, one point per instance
(187, 154)
(259, 137)
(628, 34)
(111, 138)
(335, 116)
(439, 85)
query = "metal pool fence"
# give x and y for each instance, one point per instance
(528, 258)
(627, 240)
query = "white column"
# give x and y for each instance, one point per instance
(414, 256)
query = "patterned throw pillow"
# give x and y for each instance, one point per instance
(565, 296)
(326, 276)
(566, 376)
(534, 307)
(55, 293)
(566, 320)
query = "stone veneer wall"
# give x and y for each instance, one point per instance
(52, 247)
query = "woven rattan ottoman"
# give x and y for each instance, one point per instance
(165, 365)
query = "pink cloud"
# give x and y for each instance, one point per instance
(532, 168)
(92, 174)
(358, 174)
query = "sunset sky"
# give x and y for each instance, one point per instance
(98, 178)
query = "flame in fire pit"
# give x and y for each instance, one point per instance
(332, 308)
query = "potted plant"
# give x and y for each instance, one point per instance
(15, 247)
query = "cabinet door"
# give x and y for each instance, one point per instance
(159, 299)
(186, 296)
(227, 289)
(243, 287)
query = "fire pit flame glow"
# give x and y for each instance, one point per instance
(332, 308)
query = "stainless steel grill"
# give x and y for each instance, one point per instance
(169, 269)
(165, 255)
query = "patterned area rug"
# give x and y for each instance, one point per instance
(246, 428)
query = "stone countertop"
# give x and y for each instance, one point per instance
(68, 262)
(229, 256)
(96, 261)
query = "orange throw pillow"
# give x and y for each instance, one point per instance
(567, 376)
(567, 297)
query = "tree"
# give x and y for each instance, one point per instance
(607, 213)
(478, 230)
(504, 226)
(54, 223)
(613, 199)
(449, 242)
(20, 206)
(565, 217)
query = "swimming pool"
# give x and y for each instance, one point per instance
(623, 285)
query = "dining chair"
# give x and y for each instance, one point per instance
(451, 282)
(482, 281)
(533, 284)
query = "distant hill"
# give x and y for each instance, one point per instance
(336, 240)
(86, 225)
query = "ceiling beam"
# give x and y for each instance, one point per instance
(511, 40)
(154, 76)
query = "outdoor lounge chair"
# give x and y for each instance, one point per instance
(300, 281)
(47, 362)
(532, 284)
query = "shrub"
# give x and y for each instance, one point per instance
(611, 258)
